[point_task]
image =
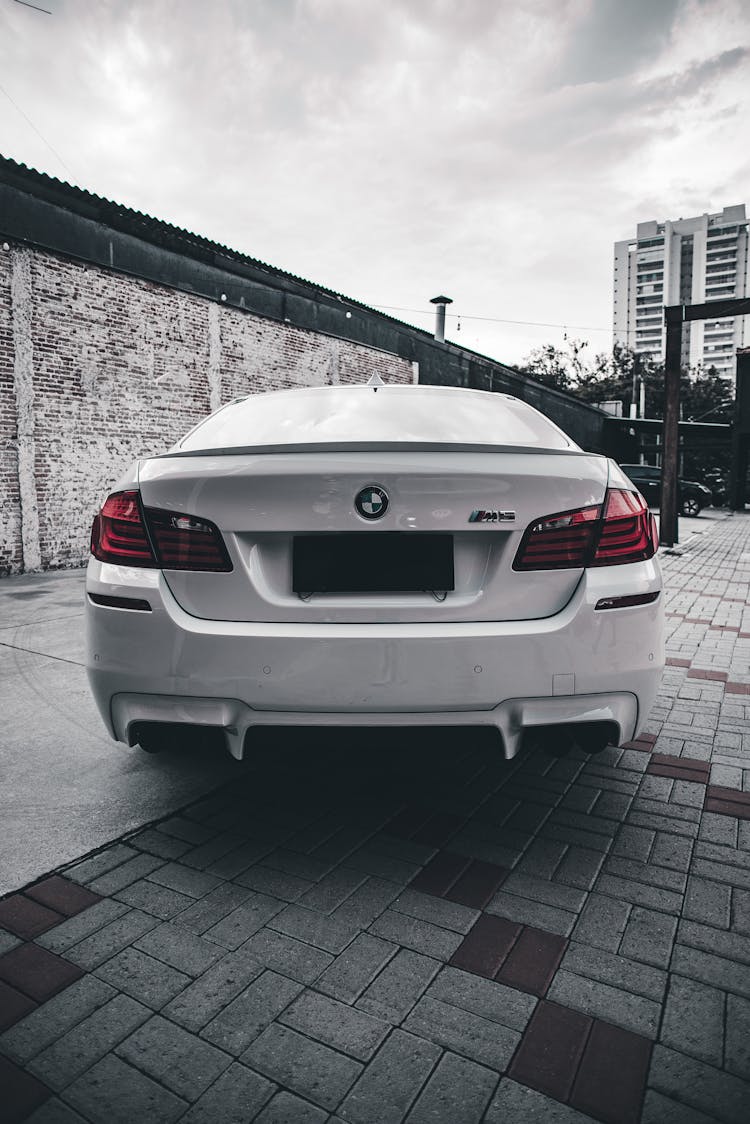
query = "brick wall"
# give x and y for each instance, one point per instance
(10, 512)
(98, 368)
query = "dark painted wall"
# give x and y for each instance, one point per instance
(50, 215)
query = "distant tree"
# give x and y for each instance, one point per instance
(616, 376)
(706, 396)
(561, 368)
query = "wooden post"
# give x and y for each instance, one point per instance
(740, 433)
(668, 525)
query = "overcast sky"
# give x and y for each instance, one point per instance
(491, 150)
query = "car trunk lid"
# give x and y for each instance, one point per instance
(449, 511)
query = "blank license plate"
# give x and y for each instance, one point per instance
(378, 562)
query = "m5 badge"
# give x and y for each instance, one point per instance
(492, 516)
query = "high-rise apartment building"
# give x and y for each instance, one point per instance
(685, 261)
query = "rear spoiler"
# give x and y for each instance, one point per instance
(374, 447)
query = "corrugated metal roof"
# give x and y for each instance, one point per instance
(164, 233)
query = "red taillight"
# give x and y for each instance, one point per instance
(123, 533)
(628, 530)
(625, 532)
(559, 541)
(118, 534)
(185, 543)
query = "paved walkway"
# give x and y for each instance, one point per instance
(383, 927)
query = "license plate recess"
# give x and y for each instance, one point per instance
(374, 562)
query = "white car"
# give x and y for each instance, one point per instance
(375, 555)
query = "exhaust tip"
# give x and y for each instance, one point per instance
(594, 737)
(557, 741)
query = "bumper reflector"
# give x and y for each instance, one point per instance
(120, 602)
(625, 602)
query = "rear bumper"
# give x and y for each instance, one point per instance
(511, 717)
(580, 665)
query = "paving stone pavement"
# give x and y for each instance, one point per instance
(379, 927)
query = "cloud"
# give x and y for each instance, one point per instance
(494, 150)
(613, 38)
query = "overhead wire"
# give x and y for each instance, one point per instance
(527, 323)
(41, 135)
(500, 320)
(25, 116)
(36, 7)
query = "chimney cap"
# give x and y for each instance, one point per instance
(441, 300)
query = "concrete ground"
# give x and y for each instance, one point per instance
(66, 786)
(380, 928)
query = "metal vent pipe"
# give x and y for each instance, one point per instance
(440, 303)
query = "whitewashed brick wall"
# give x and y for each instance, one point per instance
(97, 368)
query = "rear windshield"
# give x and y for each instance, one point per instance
(388, 414)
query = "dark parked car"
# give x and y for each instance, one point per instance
(692, 497)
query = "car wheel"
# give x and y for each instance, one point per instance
(690, 506)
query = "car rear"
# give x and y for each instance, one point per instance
(375, 555)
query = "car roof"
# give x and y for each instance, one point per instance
(376, 414)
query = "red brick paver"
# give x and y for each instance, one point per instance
(533, 961)
(60, 894)
(21, 1093)
(640, 744)
(25, 918)
(477, 885)
(679, 768)
(486, 946)
(551, 1050)
(585, 1062)
(727, 802)
(516, 955)
(13, 1005)
(611, 1080)
(37, 973)
(466, 881)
